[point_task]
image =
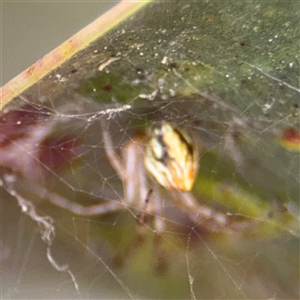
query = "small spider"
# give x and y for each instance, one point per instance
(168, 156)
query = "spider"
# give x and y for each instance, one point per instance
(164, 158)
(168, 157)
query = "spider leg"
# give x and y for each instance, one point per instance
(152, 206)
(142, 214)
(112, 155)
(158, 210)
(207, 216)
(96, 209)
(160, 261)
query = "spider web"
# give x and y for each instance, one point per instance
(248, 168)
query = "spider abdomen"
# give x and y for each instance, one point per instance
(171, 157)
